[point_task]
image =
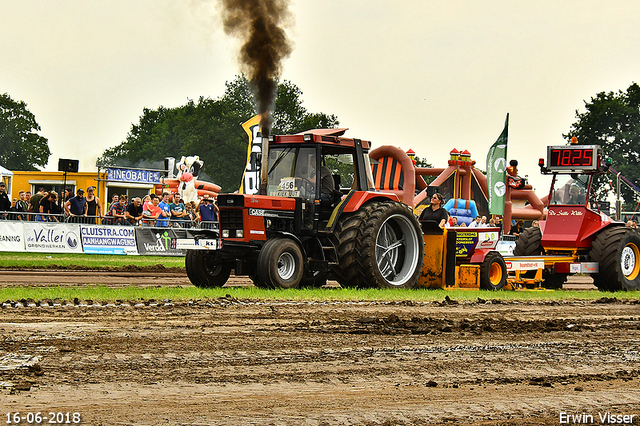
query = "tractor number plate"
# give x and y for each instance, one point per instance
(200, 244)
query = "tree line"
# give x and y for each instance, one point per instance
(211, 129)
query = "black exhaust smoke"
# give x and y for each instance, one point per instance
(260, 25)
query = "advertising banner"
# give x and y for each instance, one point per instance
(159, 241)
(477, 238)
(465, 242)
(11, 236)
(251, 178)
(133, 175)
(52, 237)
(97, 239)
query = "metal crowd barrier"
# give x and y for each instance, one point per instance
(105, 220)
(33, 217)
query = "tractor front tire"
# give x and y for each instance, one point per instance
(617, 251)
(281, 263)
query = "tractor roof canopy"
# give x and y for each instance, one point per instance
(320, 136)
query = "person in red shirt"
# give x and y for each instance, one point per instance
(151, 211)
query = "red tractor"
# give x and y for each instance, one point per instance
(576, 237)
(317, 215)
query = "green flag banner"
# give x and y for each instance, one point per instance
(497, 171)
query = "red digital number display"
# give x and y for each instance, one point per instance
(571, 158)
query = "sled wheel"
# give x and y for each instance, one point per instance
(554, 281)
(190, 267)
(493, 272)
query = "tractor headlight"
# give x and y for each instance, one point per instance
(239, 233)
(225, 233)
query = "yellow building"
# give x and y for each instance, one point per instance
(105, 188)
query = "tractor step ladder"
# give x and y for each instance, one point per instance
(329, 253)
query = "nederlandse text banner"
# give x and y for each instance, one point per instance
(11, 236)
(98, 239)
(52, 237)
(159, 241)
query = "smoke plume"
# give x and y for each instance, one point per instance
(260, 24)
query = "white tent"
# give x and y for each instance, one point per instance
(5, 176)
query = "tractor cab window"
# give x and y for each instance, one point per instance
(570, 189)
(341, 165)
(291, 173)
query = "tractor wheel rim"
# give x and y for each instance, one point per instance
(629, 261)
(213, 269)
(397, 249)
(286, 266)
(495, 273)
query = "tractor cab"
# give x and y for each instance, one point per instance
(571, 220)
(572, 189)
(316, 170)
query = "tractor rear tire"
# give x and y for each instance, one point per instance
(347, 234)
(281, 263)
(617, 251)
(529, 242)
(493, 272)
(204, 272)
(390, 247)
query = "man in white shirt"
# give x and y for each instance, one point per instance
(475, 223)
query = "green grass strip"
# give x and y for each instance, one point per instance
(46, 260)
(106, 294)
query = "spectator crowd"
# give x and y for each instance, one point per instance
(167, 210)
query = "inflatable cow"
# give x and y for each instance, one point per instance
(188, 169)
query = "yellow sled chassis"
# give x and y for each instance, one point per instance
(453, 257)
(466, 258)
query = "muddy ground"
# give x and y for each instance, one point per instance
(249, 362)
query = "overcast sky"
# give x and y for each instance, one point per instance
(426, 75)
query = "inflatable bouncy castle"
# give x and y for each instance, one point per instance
(462, 185)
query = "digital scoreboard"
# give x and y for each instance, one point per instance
(572, 157)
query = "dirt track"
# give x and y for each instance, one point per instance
(243, 362)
